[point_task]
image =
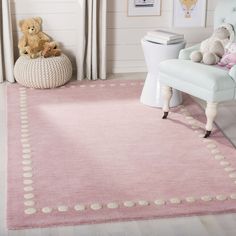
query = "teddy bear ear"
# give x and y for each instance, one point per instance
(21, 22)
(39, 20)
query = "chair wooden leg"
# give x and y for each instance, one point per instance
(211, 112)
(167, 94)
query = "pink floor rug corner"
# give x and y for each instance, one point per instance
(90, 152)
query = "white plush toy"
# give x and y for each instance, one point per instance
(213, 48)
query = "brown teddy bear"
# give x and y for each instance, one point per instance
(33, 40)
(51, 49)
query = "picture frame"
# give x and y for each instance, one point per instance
(189, 14)
(144, 7)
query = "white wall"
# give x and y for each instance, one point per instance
(124, 34)
(60, 21)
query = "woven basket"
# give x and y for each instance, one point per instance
(43, 72)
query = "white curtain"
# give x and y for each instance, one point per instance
(91, 58)
(6, 43)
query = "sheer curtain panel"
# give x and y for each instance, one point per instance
(91, 58)
(6, 46)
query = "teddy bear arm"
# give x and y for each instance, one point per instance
(218, 49)
(204, 47)
(22, 46)
(44, 36)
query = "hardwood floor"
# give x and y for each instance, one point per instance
(217, 225)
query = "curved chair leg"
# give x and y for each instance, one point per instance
(211, 112)
(167, 94)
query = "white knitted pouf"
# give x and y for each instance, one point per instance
(43, 72)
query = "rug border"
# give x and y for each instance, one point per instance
(26, 151)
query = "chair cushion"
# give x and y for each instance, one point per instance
(214, 81)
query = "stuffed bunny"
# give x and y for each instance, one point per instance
(213, 48)
(229, 59)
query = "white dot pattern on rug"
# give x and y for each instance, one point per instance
(175, 201)
(24, 117)
(26, 145)
(215, 151)
(233, 196)
(160, 202)
(25, 135)
(129, 204)
(233, 175)
(27, 168)
(26, 151)
(207, 140)
(211, 146)
(47, 210)
(29, 197)
(224, 163)
(28, 175)
(229, 169)
(192, 122)
(221, 198)
(112, 205)
(24, 130)
(62, 208)
(26, 162)
(30, 211)
(28, 189)
(26, 155)
(190, 199)
(25, 140)
(219, 157)
(189, 118)
(206, 198)
(28, 181)
(29, 203)
(79, 207)
(96, 206)
(143, 203)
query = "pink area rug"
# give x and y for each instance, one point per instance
(90, 152)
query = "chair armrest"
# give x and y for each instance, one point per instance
(185, 53)
(232, 73)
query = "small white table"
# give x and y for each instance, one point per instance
(154, 54)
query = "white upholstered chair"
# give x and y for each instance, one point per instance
(210, 83)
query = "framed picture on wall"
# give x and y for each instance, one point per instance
(144, 7)
(189, 13)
